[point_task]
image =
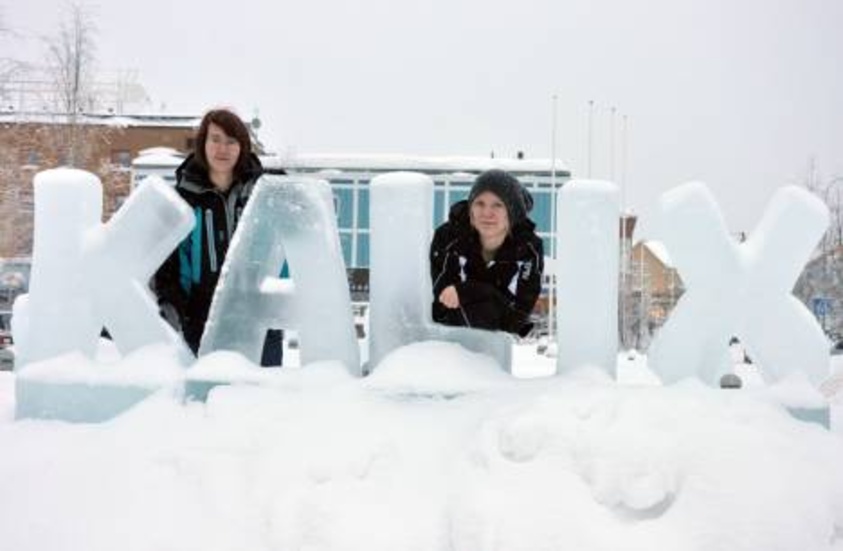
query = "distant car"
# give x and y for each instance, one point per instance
(5, 329)
(7, 352)
(7, 358)
(837, 348)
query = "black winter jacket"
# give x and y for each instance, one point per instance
(185, 283)
(499, 295)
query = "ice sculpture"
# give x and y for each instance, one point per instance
(87, 275)
(740, 289)
(400, 292)
(587, 215)
(290, 218)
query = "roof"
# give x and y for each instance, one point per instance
(660, 252)
(102, 119)
(158, 157)
(429, 164)
(335, 164)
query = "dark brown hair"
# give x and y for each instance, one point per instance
(233, 127)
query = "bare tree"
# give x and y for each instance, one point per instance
(8, 66)
(72, 54)
(830, 190)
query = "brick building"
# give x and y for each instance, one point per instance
(650, 288)
(102, 144)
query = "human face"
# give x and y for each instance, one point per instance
(222, 151)
(489, 217)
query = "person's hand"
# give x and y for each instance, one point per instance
(449, 298)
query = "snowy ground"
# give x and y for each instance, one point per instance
(436, 450)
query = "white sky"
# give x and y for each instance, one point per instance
(737, 94)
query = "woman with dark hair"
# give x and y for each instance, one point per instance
(486, 261)
(216, 180)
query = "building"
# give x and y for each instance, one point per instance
(349, 177)
(650, 289)
(103, 144)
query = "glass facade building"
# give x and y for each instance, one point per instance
(349, 177)
(453, 177)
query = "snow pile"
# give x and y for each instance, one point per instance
(430, 453)
(401, 371)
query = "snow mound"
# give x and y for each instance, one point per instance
(149, 366)
(436, 368)
(324, 461)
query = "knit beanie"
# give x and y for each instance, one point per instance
(508, 188)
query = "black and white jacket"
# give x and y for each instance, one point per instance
(498, 295)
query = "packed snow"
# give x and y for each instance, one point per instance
(437, 449)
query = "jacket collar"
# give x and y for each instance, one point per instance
(192, 177)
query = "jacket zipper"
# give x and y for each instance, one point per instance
(212, 242)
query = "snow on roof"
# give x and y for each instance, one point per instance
(160, 151)
(158, 156)
(334, 164)
(102, 119)
(389, 162)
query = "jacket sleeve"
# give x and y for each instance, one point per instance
(491, 307)
(528, 289)
(166, 283)
(444, 262)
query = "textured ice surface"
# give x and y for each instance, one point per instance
(85, 276)
(292, 219)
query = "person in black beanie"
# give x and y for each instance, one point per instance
(486, 261)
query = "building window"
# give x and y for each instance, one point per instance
(363, 208)
(122, 158)
(344, 207)
(33, 158)
(542, 206)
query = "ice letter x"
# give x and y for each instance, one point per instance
(740, 289)
(87, 275)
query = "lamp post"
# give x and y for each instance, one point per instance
(590, 133)
(626, 240)
(551, 310)
(612, 112)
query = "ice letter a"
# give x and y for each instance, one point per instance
(740, 289)
(290, 218)
(87, 275)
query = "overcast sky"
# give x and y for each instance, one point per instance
(737, 93)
